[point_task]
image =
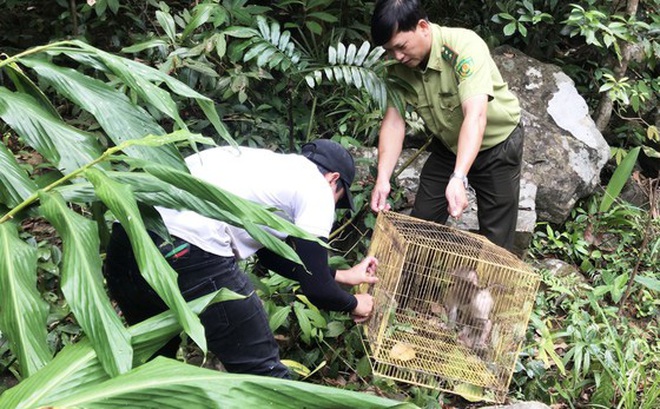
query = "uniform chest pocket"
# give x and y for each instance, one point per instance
(449, 101)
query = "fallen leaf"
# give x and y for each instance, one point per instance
(402, 352)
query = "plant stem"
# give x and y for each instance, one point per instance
(311, 119)
(33, 197)
(35, 50)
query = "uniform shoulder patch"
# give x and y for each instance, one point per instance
(464, 68)
(449, 55)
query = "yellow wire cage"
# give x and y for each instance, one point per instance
(424, 330)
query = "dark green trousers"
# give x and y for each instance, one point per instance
(495, 178)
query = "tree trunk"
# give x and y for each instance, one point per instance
(603, 113)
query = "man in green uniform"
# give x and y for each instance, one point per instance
(455, 86)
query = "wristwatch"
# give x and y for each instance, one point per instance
(460, 176)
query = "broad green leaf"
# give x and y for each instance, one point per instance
(332, 55)
(64, 146)
(357, 77)
(263, 26)
(166, 21)
(165, 383)
(15, 185)
(651, 283)
(362, 53)
(23, 312)
(341, 53)
(202, 14)
(117, 115)
(149, 74)
(263, 59)
(277, 319)
(374, 57)
(82, 285)
(619, 178)
(77, 365)
(148, 91)
(303, 321)
(153, 267)
(24, 85)
(274, 33)
(327, 17)
(136, 48)
(350, 54)
(240, 32)
(314, 27)
(284, 40)
(256, 51)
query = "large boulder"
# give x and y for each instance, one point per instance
(564, 151)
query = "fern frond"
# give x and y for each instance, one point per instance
(355, 67)
(272, 47)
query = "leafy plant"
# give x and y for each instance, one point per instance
(81, 174)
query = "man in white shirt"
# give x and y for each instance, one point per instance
(306, 189)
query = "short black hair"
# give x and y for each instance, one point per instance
(392, 16)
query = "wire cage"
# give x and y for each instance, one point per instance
(451, 308)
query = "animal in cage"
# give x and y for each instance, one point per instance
(451, 308)
(472, 301)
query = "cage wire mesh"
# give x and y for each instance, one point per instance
(451, 308)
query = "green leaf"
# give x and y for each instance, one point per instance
(82, 285)
(256, 51)
(15, 184)
(314, 27)
(145, 45)
(64, 146)
(153, 267)
(303, 321)
(240, 32)
(332, 55)
(118, 116)
(24, 85)
(274, 33)
(172, 384)
(619, 178)
(23, 312)
(341, 53)
(202, 14)
(278, 319)
(142, 73)
(265, 57)
(350, 54)
(327, 17)
(166, 21)
(263, 27)
(510, 28)
(77, 365)
(362, 53)
(651, 283)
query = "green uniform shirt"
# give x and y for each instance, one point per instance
(459, 67)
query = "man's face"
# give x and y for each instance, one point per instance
(411, 48)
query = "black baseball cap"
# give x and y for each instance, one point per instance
(335, 158)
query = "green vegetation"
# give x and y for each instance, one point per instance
(98, 101)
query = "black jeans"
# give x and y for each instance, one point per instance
(495, 177)
(237, 331)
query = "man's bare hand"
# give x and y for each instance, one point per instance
(363, 272)
(365, 306)
(457, 200)
(379, 196)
